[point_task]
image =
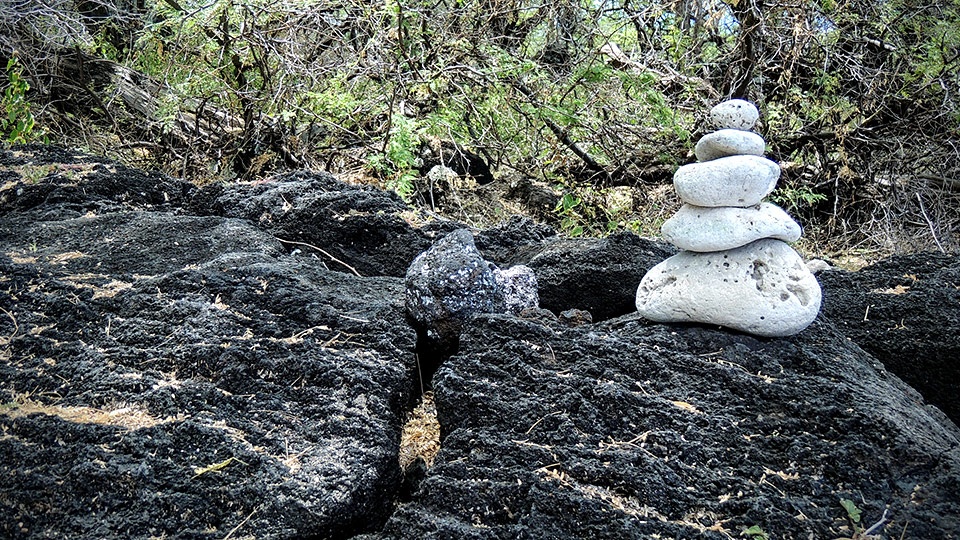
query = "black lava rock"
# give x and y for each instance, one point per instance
(906, 312)
(168, 375)
(599, 275)
(359, 229)
(206, 364)
(631, 430)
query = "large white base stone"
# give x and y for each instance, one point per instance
(762, 288)
(697, 228)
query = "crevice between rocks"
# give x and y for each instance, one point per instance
(420, 435)
(419, 445)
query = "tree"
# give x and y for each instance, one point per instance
(859, 96)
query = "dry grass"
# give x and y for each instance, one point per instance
(122, 415)
(421, 434)
(6, 340)
(633, 506)
(32, 174)
(99, 284)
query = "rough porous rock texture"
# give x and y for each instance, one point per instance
(513, 241)
(170, 372)
(75, 184)
(170, 375)
(696, 228)
(598, 275)
(736, 269)
(451, 282)
(633, 430)
(734, 114)
(517, 289)
(762, 288)
(360, 228)
(905, 311)
(729, 181)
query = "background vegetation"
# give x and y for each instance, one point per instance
(597, 100)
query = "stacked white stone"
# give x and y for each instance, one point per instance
(735, 268)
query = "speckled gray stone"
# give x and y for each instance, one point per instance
(451, 282)
(697, 228)
(729, 181)
(516, 289)
(762, 288)
(729, 142)
(734, 114)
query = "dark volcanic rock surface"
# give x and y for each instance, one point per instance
(169, 375)
(599, 275)
(632, 430)
(189, 363)
(54, 184)
(363, 228)
(906, 312)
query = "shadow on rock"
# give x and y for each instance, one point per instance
(906, 312)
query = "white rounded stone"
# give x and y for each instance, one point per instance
(729, 142)
(734, 114)
(697, 228)
(762, 288)
(729, 181)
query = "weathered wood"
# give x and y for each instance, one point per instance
(124, 93)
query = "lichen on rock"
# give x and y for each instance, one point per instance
(451, 282)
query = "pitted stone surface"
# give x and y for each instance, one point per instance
(729, 142)
(517, 289)
(762, 288)
(735, 114)
(448, 283)
(697, 228)
(451, 282)
(730, 181)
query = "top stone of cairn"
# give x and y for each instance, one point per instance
(735, 114)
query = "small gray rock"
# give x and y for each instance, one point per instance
(451, 282)
(818, 265)
(448, 283)
(516, 289)
(730, 181)
(729, 142)
(735, 114)
(696, 228)
(442, 175)
(762, 288)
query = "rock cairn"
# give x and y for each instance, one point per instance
(735, 268)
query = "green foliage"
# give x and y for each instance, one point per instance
(796, 198)
(678, 42)
(581, 95)
(398, 161)
(17, 124)
(571, 220)
(853, 514)
(755, 532)
(587, 210)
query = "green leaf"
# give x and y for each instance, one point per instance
(852, 511)
(756, 532)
